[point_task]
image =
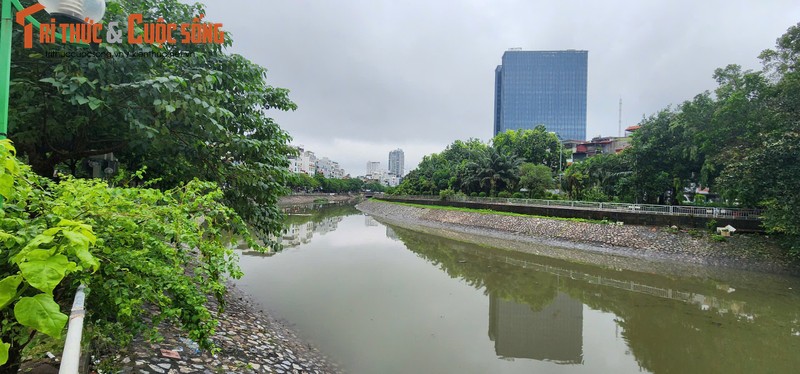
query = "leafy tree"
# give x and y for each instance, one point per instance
(605, 176)
(536, 146)
(536, 179)
(493, 170)
(191, 111)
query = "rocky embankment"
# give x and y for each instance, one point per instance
(250, 341)
(528, 234)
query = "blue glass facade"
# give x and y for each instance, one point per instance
(542, 87)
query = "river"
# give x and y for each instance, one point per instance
(382, 299)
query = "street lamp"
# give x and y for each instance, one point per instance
(64, 11)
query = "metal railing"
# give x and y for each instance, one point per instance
(673, 210)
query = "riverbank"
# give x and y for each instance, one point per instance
(629, 246)
(250, 341)
(302, 199)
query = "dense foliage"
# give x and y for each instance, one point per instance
(195, 118)
(301, 182)
(138, 250)
(474, 168)
(188, 111)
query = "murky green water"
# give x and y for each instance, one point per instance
(382, 299)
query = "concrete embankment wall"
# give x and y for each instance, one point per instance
(629, 218)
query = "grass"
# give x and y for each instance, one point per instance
(495, 212)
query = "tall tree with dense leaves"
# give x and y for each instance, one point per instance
(537, 146)
(183, 111)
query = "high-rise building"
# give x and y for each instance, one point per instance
(542, 88)
(396, 162)
(373, 168)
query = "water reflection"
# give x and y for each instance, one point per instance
(304, 222)
(669, 324)
(554, 333)
(367, 293)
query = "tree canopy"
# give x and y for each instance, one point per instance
(187, 111)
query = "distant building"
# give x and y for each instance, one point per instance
(396, 162)
(373, 168)
(330, 169)
(542, 87)
(599, 146)
(306, 162)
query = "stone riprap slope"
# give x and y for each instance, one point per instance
(755, 252)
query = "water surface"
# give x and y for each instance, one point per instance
(382, 299)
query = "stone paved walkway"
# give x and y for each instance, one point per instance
(250, 342)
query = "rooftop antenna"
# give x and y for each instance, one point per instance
(620, 115)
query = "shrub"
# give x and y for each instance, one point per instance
(473, 194)
(711, 225)
(504, 194)
(131, 247)
(518, 195)
(482, 194)
(444, 194)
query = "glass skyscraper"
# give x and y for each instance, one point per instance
(542, 88)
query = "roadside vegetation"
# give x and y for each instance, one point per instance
(195, 158)
(741, 141)
(301, 182)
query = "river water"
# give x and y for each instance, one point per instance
(382, 299)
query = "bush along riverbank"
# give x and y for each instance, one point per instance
(666, 244)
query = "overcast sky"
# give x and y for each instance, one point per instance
(374, 75)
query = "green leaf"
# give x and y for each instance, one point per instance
(94, 103)
(6, 186)
(42, 314)
(8, 289)
(80, 247)
(169, 108)
(46, 273)
(4, 352)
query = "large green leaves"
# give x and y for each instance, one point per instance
(41, 313)
(4, 352)
(8, 289)
(45, 271)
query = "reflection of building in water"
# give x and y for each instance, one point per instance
(303, 233)
(370, 222)
(391, 234)
(553, 334)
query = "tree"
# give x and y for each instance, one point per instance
(192, 111)
(493, 171)
(535, 178)
(537, 146)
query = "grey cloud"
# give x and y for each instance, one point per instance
(420, 73)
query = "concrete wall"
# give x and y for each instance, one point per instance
(629, 218)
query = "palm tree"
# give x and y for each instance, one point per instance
(492, 168)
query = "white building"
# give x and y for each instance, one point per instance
(330, 169)
(373, 170)
(306, 162)
(397, 162)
